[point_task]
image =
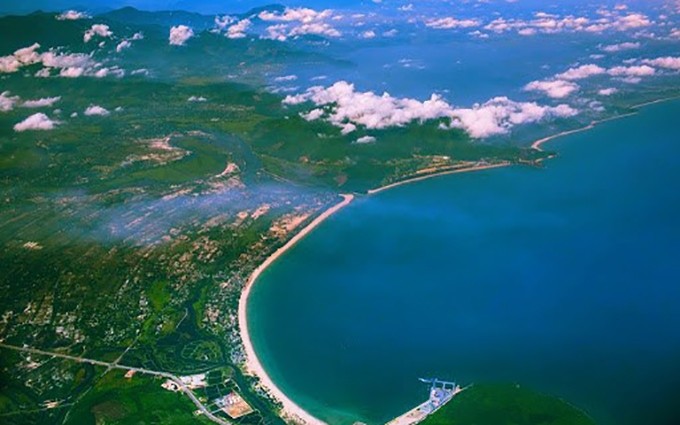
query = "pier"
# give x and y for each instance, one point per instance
(441, 392)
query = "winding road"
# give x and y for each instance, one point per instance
(115, 365)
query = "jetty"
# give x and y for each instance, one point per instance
(441, 392)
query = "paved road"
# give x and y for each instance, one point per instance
(115, 365)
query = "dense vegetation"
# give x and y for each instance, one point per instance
(506, 404)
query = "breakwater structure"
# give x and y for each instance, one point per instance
(441, 392)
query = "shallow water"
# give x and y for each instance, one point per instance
(564, 279)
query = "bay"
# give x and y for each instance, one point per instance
(564, 279)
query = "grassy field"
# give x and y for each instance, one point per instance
(140, 400)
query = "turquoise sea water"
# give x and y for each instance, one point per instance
(564, 279)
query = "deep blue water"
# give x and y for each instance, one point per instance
(564, 279)
(465, 71)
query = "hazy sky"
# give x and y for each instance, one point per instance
(221, 6)
(206, 6)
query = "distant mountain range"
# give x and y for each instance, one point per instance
(200, 6)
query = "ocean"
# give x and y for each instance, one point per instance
(564, 279)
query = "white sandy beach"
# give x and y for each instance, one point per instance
(537, 144)
(291, 410)
(441, 173)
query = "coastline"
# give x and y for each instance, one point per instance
(478, 167)
(537, 144)
(292, 411)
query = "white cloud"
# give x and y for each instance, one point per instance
(347, 106)
(70, 65)
(72, 15)
(450, 23)
(630, 80)
(180, 34)
(222, 22)
(347, 128)
(21, 57)
(344, 107)
(303, 21)
(123, 45)
(312, 115)
(368, 34)
(302, 14)
(41, 103)
(277, 32)
(72, 72)
(556, 89)
(286, 78)
(28, 55)
(632, 71)
(411, 63)
(365, 139)
(617, 20)
(500, 114)
(96, 110)
(607, 92)
(239, 29)
(544, 23)
(317, 28)
(102, 73)
(7, 101)
(631, 21)
(9, 64)
(581, 72)
(37, 121)
(61, 60)
(667, 62)
(101, 30)
(612, 48)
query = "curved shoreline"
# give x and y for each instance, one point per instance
(537, 144)
(437, 174)
(291, 410)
